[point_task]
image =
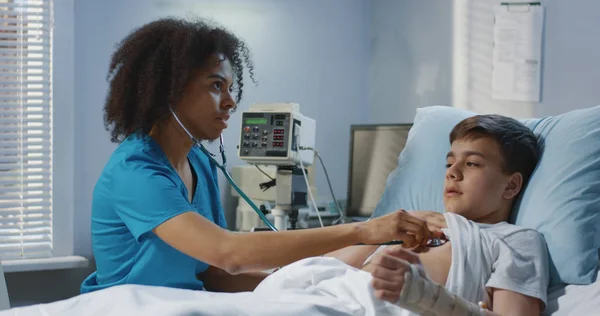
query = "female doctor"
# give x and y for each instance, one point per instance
(156, 212)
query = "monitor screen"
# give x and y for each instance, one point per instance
(374, 151)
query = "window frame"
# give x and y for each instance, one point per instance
(63, 147)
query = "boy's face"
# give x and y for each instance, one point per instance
(476, 186)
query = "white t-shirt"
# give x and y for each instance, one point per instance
(513, 258)
(501, 256)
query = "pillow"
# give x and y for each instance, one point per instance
(561, 201)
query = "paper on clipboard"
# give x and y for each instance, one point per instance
(517, 55)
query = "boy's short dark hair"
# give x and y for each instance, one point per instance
(519, 146)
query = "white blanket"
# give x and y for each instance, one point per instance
(314, 286)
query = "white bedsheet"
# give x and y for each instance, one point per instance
(575, 300)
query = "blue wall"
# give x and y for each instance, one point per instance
(411, 63)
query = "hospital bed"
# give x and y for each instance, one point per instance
(571, 300)
(562, 300)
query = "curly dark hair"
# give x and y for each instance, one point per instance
(151, 66)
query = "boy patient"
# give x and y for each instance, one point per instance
(489, 164)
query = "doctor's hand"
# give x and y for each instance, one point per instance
(399, 225)
(388, 268)
(435, 220)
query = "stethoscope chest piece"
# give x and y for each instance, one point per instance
(437, 241)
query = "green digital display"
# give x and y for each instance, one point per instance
(256, 121)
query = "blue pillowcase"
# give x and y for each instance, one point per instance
(561, 201)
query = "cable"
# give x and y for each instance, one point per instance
(340, 220)
(268, 176)
(247, 199)
(306, 178)
(310, 193)
(266, 185)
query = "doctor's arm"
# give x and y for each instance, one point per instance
(237, 253)
(219, 280)
(355, 256)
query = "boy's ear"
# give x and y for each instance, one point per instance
(515, 183)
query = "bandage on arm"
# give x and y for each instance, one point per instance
(420, 294)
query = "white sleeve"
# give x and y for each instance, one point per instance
(521, 264)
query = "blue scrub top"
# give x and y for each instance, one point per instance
(137, 191)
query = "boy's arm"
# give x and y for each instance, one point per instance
(511, 303)
(520, 275)
(353, 256)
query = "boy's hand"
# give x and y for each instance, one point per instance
(414, 290)
(388, 268)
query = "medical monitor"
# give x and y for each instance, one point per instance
(374, 151)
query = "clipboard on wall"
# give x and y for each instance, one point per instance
(517, 53)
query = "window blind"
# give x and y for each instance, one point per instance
(25, 129)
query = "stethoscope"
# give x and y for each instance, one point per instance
(223, 167)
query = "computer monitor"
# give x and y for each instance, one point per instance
(374, 151)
